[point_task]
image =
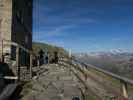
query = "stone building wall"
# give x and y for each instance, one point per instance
(16, 25)
(5, 23)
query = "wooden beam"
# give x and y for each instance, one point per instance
(10, 77)
(124, 89)
(31, 64)
(17, 62)
(2, 50)
(38, 63)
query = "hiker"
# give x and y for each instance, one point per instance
(56, 58)
(46, 57)
(41, 57)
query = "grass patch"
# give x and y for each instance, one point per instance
(48, 48)
(90, 98)
(113, 82)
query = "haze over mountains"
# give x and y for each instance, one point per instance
(116, 61)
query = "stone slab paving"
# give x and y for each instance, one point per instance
(55, 84)
(58, 83)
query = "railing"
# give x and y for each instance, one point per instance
(123, 81)
(8, 92)
(6, 43)
(9, 77)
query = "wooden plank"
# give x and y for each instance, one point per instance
(18, 63)
(124, 89)
(31, 64)
(10, 77)
(8, 42)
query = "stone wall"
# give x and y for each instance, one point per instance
(16, 24)
(16, 21)
(5, 27)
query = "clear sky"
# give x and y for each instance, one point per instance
(84, 25)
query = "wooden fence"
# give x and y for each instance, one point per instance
(123, 80)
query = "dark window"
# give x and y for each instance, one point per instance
(19, 16)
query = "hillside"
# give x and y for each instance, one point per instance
(48, 48)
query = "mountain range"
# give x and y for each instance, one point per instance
(116, 61)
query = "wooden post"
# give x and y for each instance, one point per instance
(17, 62)
(48, 58)
(124, 89)
(86, 76)
(31, 64)
(86, 93)
(82, 93)
(2, 50)
(85, 73)
(38, 62)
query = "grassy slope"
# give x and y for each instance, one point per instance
(50, 48)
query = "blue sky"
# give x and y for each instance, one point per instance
(84, 25)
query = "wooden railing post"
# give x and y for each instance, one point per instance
(82, 93)
(124, 89)
(2, 49)
(31, 64)
(18, 62)
(38, 63)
